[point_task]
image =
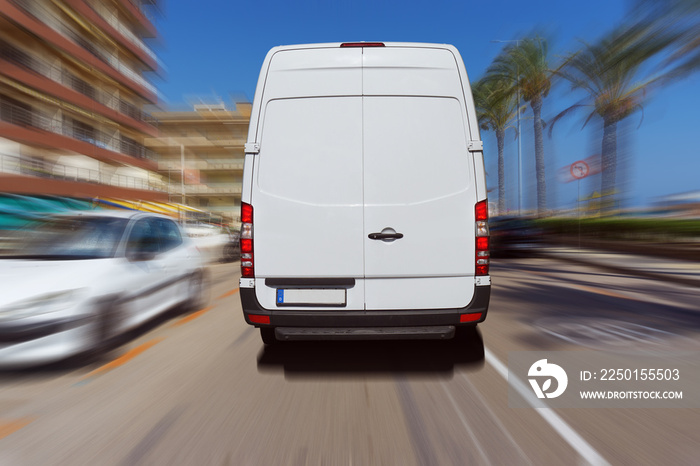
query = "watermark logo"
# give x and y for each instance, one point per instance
(541, 370)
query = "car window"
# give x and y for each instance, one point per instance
(143, 238)
(169, 234)
(67, 238)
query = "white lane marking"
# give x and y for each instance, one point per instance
(495, 418)
(578, 443)
(475, 441)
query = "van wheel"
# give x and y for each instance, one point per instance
(268, 336)
(466, 334)
(469, 345)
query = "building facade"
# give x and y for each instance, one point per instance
(72, 93)
(200, 157)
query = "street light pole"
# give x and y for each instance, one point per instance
(520, 173)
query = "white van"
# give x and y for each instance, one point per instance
(364, 203)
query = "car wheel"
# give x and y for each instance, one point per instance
(195, 292)
(109, 324)
(268, 336)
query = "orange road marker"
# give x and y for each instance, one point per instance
(603, 292)
(123, 359)
(8, 428)
(230, 293)
(192, 316)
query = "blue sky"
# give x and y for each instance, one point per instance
(213, 49)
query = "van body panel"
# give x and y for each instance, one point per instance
(305, 72)
(410, 182)
(314, 72)
(411, 71)
(308, 222)
(418, 293)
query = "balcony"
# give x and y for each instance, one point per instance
(20, 114)
(49, 19)
(30, 166)
(233, 165)
(113, 21)
(57, 74)
(207, 189)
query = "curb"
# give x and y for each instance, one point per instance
(629, 271)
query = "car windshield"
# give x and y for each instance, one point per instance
(67, 238)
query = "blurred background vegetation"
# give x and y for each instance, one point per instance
(657, 45)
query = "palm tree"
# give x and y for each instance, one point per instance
(526, 65)
(608, 71)
(495, 107)
(682, 17)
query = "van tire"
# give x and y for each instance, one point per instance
(468, 344)
(268, 336)
(465, 334)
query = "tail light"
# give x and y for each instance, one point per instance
(482, 238)
(247, 261)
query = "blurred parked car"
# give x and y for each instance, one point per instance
(514, 236)
(216, 243)
(74, 281)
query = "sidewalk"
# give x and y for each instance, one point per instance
(671, 270)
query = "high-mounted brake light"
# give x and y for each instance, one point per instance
(481, 216)
(362, 44)
(247, 264)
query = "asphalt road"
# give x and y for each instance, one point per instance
(200, 388)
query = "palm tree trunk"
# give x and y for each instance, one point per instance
(536, 104)
(609, 162)
(500, 136)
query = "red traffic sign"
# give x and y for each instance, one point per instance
(579, 169)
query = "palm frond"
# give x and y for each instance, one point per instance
(561, 115)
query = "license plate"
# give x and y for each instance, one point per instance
(311, 297)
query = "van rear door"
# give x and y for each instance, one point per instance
(418, 184)
(418, 177)
(308, 205)
(307, 177)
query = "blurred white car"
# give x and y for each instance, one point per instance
(74, 281)
(212, 241)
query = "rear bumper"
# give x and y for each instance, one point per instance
(443, 332)
(334, 318)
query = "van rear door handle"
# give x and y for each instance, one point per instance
(385, 235)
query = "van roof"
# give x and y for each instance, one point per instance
(394, 69)
(385, 44)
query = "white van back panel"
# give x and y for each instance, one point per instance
(411, 71)
(356, 140)
(415, 293)
(307, 196)
(418, 181)
(314, 72)
(315, 156)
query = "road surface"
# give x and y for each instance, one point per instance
(201, 389)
